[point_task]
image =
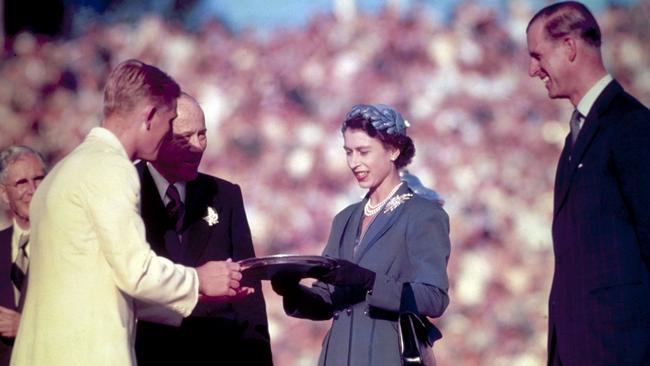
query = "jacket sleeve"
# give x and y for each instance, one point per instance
(427, 247)
(631, 159)
(312, 303)
(112, 207)
(157, 314)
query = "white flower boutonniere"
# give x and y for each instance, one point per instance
(212, 217)
(396, 201)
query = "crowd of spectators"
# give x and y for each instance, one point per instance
(486, 135)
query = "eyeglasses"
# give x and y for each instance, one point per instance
(21, 185)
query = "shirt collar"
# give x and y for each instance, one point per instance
(162, 184)
(16, 237)
(585, 104)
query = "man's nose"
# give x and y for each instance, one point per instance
(533, 67)
(197, 143)
(32, 184)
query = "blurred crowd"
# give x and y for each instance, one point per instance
(486, 135)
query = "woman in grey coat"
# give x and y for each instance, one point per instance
(391, 237)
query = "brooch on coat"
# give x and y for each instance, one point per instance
(212, 217)
(396, 201)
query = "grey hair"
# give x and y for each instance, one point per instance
(13, 153)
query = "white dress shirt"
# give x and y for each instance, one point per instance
(19, 238)
(588, 100)
(162, 184)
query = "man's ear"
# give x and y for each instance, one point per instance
(4, 196)
(571, 48)
(150, 113)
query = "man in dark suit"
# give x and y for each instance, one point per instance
(21, 171)
(191, 218)
(599, 306)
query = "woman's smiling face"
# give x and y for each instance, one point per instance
(368, 159)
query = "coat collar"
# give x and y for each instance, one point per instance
(108, 138)
(382, 222)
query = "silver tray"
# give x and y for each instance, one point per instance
(263, 268)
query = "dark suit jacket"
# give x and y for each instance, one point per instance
(221, 334)
(6, 289)
(599, 306)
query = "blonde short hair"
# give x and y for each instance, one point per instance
(132, 82)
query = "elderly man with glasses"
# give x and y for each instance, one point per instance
(21, 171)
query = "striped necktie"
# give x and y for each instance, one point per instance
(175, 208)
(575, 124)
(20, 265)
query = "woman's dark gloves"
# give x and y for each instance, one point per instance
(348, 274)
(286, 283)
(344, 274)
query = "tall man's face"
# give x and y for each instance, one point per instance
(181, 151)
(548, 61)
(22, 177)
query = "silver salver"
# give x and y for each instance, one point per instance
(264, 268)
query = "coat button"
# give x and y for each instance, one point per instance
(336, 315)
(365, 312)
(348, 311)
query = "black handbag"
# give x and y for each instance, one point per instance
(416, 333)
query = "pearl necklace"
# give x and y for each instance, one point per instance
(371, 210)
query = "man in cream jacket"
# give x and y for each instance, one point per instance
(91, 269)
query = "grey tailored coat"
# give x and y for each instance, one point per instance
(408, 244)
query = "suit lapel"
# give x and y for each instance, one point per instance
(380, 225)
(196, 231)
(589, 130)
(23, 289)
(153, 211)
(6, 287)
(561, 182)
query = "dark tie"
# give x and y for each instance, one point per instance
(19, 267)
(175, 209)
(574, 124)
